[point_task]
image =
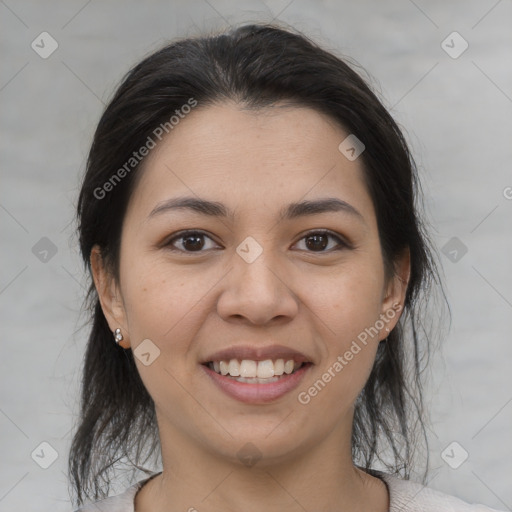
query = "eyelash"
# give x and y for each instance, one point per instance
(183, 234)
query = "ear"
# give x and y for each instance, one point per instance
(394, 296)
(109, 296)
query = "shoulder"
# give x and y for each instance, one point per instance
(405, 496)
(124, 502)
(408, 496)
(121, 503)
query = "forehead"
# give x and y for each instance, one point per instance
(254, 159)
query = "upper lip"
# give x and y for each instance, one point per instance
(273, 352)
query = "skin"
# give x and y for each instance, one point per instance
(191, 304)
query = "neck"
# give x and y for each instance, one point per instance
(322, 478)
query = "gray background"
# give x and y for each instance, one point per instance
(457, 116)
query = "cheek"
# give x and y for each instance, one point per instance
(165, 302)
(165, 307)
(348, 300)
(151, 297)
(347, 305)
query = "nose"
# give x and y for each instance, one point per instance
(258, 293)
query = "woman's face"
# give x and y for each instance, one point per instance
(259, 283)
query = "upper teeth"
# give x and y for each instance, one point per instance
(261, 369)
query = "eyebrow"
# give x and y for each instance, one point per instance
(289, 212)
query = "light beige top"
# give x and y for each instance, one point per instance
(405, 496)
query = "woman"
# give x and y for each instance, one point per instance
(269, 362)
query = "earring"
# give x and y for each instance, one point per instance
(118, 336)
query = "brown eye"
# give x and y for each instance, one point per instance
(190, 241)
(318, 241)
(193, 242)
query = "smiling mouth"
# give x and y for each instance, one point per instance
(255, 372)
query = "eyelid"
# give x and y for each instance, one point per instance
(182, 234)
(342, 242)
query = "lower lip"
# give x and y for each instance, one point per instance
(257, 393)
